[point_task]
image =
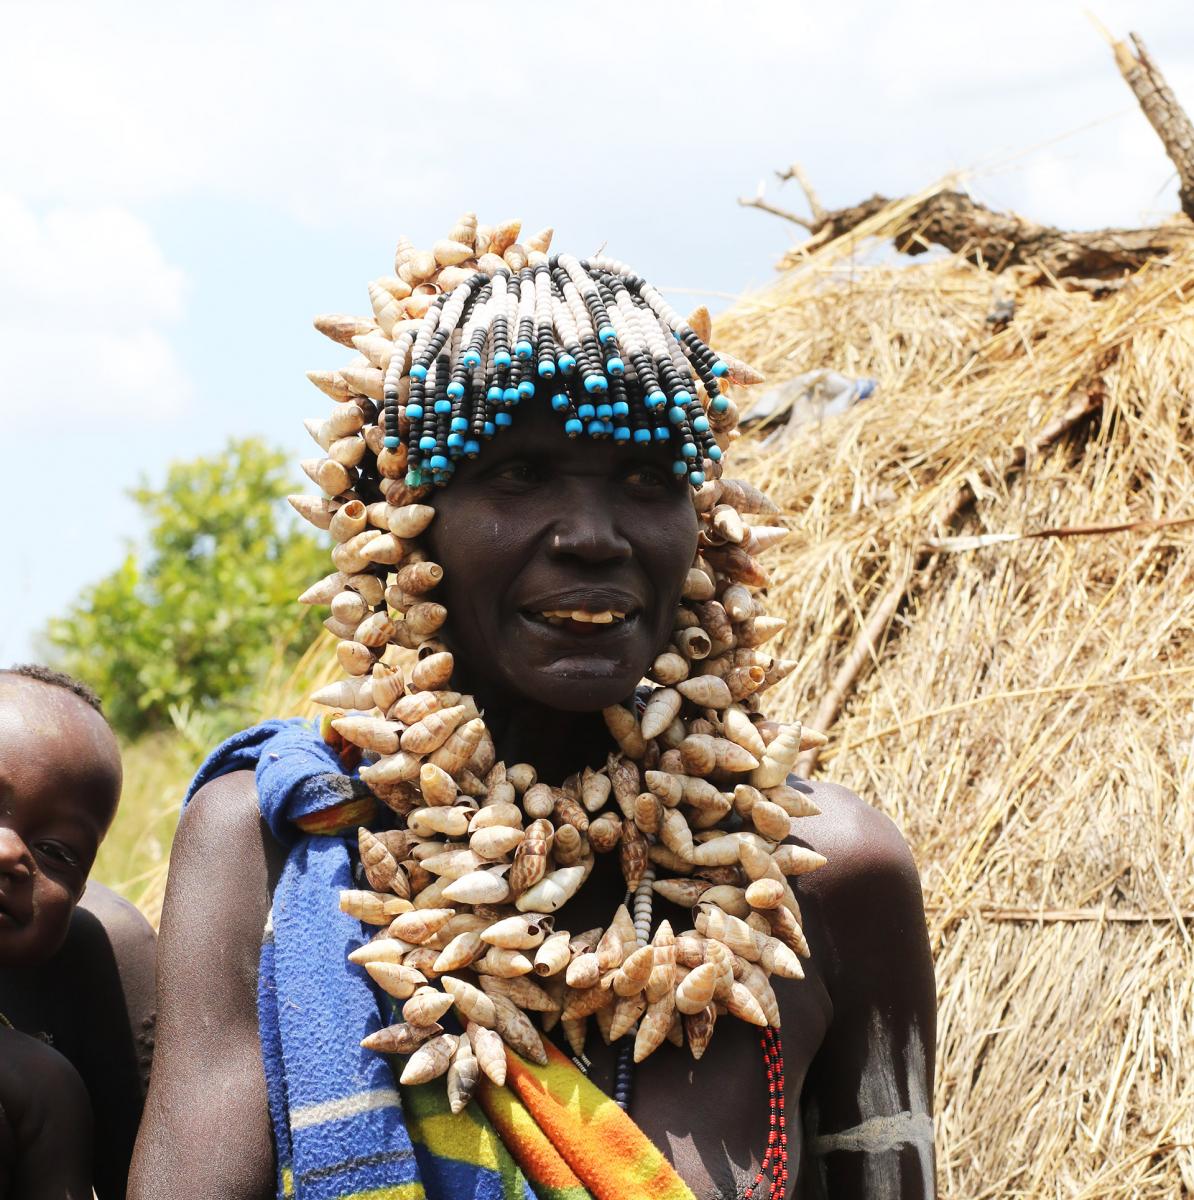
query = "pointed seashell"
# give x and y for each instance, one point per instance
(397, 979)
(331, 383)
(381, 949)
(624, 777)
(765, 894)
(460, 951)
(727, 523)
(374, 908)
(729, 898)
(701, 323)
(698, 1028)
(425, 618)
(693, 644)
(706, 690)
(594, 789)
(760, 538)
(793, 801)
(433, 730)
(422, 958)
(410, 520)
(754, 631)
(369, 586)
(744, 681)
(530, 858)
(420, 577)
(328, 474)
(669, 668)
(617, 941)
(786, 927)
(696, 988)
(797, 860)
(352, 656)
(604, 833)
(731, 931)
(570, 846)
(738, 728)
(496, 814)
(438, 788)
(418, 265)
(740, 372)
(583, 1002)
(491, 1054)
(617, 1021)
(478, 887)
(325, 591)
(662, 979)
(453, 756)
(653, 1030)
(507, 963)
(448, 252)
(432, 672)
(462, 1076)
(345, 694)
(427, 822)
(770, 820)
(518, 1032)
(472, 1003)
(365, 381)
(538, 801)
(682, 892)
(741, 1003)
(522, 932)
(376, 347)
(648, 812)
(662, 708)
(450, 864)
(402, 252)
(519, 990)
(413, 707)
(633, 974)
(722, 851)
(378, 863)
(584, 971)
(540, 241)
(384, 548)
(698, 585)
(421, 925)
(426, 1006)
(401, 1039)
(349, 607)
(392, 769)
(553, 891)
(349, 556)
(553, 955)
(515, 257)
(342, 329)
(494, 842)
(566, 810)
(465, 229)
(667, 787)
(430, 1060)
(632, 854)
(624, 727)
(522, 776)
(375, 630)
(675, 834)
(504, 235)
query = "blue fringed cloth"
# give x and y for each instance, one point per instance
(340, 1129)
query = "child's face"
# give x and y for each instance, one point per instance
(59, 783)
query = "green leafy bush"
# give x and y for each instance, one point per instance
(190, 623)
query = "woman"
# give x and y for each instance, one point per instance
(565, 562)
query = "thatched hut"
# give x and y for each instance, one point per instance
(990, 588)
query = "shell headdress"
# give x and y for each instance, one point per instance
(696, 802)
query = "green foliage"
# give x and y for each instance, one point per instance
(191, 624)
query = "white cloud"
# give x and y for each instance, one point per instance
(85, 309)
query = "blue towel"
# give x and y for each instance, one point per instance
(336, 1111)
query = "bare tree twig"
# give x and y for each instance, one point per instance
(759, 200)
(796, 171)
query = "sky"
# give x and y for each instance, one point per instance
(182, 188)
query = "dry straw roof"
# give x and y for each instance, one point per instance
(1025, 711)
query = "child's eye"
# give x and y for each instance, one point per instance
(58, 853)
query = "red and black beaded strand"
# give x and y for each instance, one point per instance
(775, 1157)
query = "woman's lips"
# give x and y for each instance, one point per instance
(563, 624)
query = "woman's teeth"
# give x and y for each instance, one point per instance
(605, 617)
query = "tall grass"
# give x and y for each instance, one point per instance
(157, 769)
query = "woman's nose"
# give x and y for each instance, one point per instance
(587, 530)
(15, 860)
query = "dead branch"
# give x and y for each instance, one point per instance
(760, 201)
(1163, 111)
(796, 171)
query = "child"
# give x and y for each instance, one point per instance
(76, 972)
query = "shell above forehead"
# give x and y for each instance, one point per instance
(696, 800)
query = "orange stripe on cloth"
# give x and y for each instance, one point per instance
(602, 1148)
(339, 817)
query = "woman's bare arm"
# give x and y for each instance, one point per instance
(868, 1095)
(206, 1130)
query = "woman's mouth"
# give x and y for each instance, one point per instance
(580, 616)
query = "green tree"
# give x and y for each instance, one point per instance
(190, 624)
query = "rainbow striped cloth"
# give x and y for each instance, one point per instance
(343, 1129)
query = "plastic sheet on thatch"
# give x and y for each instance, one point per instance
(1027, 714)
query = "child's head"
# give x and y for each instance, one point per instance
(59, 783)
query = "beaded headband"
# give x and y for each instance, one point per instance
(696, 800)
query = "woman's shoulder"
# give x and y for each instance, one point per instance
(869, 870)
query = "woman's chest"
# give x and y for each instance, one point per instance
(720, 1120)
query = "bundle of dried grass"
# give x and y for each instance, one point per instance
(1014, 678)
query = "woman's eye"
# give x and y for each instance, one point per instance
(647, 475)
(519, 472)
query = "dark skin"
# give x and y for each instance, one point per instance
(537, 524)
(76, 970)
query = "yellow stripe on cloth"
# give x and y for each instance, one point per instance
(604, 1149)
(399, 1191)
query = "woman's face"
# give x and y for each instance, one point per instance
(541, 532)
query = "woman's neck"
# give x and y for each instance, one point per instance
(555, 743)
